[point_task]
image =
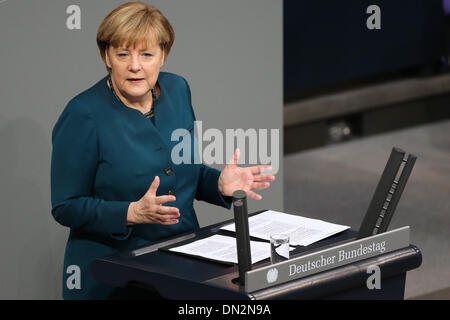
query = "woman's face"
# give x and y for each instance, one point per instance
(135, 70)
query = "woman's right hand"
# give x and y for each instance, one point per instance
(150, 209)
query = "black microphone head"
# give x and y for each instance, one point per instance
(239, 194)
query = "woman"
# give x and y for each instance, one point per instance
(112, 178)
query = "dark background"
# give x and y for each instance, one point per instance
(329, 50)
(327, 42)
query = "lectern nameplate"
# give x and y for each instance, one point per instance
(326, 259)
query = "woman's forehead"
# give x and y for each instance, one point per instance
(135, 41)
(138, 47)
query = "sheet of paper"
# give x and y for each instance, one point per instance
(223, 248)
(302, 231)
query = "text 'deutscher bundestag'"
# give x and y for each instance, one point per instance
(326, 259)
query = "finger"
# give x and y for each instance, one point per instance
(259, 178)
(154, 186)
(164, 211)
(165, 218)
(169, 222)
(260, 186)
(259, 169)
(237, 154)
(254, 195)
(158, 220)
(164, 199)
(161, 218)
(235, 158)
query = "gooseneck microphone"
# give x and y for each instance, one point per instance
(242, 233)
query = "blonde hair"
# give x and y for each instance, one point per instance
(132, 24)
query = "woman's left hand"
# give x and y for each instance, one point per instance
(234, 178)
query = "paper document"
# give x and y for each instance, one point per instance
(223, 248)
(302, 231)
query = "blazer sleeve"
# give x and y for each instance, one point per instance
(208, 182)
(208, 188)
(74, 160)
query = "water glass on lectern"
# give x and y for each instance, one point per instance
(279, 248)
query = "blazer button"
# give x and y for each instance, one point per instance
(171, 193)
(168, 171)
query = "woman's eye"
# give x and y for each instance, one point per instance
(122, 54)
(147, 54)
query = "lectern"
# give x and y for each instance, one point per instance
(333, 268)
(176, 276)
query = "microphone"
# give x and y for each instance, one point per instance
(242, 233)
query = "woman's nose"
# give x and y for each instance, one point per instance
(135, 64)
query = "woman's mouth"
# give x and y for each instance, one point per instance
(135, 80)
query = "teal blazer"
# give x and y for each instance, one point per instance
(106, 155)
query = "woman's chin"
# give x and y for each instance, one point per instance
(135, 94)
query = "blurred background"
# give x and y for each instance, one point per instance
(351, 93)
(343, 80)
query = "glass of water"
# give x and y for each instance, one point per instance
(279, 248)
